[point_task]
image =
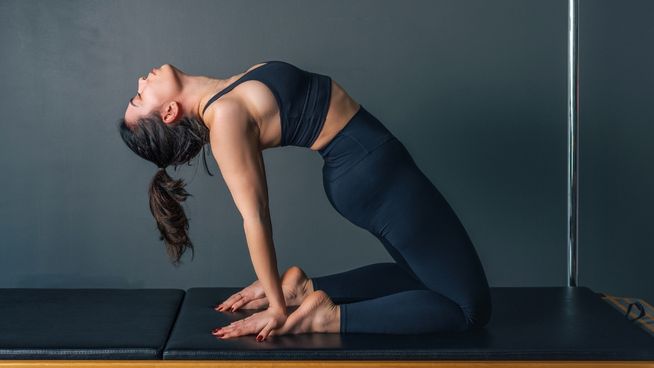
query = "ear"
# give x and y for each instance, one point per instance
(171, 112)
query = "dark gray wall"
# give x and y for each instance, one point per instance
(474, 89)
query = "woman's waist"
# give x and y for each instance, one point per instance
(362, 134)
(339, 112)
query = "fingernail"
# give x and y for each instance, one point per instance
(259, 338)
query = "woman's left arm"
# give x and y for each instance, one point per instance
(235, 146)
(258, 233)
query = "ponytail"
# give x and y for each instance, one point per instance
(164, 145)
(166, 195)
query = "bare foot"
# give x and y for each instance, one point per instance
(317, 313)
(297, 286)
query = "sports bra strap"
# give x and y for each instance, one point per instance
(231, 86)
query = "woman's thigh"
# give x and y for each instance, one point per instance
(386, 193)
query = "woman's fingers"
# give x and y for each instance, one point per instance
(242, 302)
(260, 303)
(229, 302)
(249, 304)
(241, 298)
(251, 292)
(237, 328)
(241, 321)
(237, 304)
(260, 323)
(263, 334)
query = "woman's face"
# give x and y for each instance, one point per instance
(155, 92)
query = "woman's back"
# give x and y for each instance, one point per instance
(291, 106)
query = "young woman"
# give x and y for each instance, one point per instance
(437, 282)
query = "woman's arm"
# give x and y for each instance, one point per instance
(235, 146)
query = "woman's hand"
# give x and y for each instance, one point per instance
(294, 286)
(260, 322)
(251, 297)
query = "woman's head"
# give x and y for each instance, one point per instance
(159, 92)
(157, 128)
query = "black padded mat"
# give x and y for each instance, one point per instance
(86, 323)
(528, 323)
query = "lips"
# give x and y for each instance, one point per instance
(154, 71)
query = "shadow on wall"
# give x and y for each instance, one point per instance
(73, 280)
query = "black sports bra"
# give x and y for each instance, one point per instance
(302, 97)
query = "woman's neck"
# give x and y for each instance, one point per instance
(197, 90)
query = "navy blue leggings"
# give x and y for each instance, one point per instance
(437, 282)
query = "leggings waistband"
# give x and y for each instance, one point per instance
(362, 133)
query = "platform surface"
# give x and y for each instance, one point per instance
(528, 323)
(86, 323)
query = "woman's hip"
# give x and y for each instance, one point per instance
(362, 135)
(369, 173)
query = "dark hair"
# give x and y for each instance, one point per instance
(168, 144)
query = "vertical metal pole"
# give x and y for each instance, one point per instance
(573, 140)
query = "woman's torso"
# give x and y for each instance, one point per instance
(264, 111)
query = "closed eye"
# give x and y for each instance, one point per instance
(131, 99)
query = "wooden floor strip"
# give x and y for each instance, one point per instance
(315, 364)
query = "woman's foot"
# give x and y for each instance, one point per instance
(317, 313)
(296, 286)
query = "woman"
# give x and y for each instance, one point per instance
(437, 282)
